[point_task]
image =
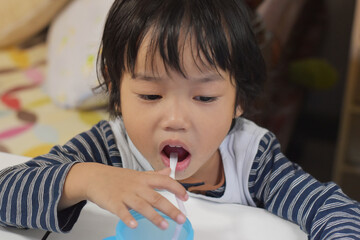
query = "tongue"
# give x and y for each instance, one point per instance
(181, 152)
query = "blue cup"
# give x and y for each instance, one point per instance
(146, 230)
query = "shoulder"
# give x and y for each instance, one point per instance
(268, 144)
(99, 136)
(247, 134)
(246, 140)
(270, 156)
(103, 132)
(104, 126)
(102, 129)
(100, 132)
(264, 140)
(238, 151)
(244, 143)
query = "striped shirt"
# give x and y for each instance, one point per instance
(30, 192)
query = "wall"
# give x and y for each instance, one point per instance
(313, 141)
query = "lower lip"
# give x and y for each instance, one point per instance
(180, 166)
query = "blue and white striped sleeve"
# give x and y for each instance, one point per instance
(322, 210)
(30, 192)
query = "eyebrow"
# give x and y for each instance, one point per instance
(206, 78)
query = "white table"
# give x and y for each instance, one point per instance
(209, 221)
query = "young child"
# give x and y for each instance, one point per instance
(180, 74)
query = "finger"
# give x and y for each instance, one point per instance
(164, 205)
(123, 213)
(166, 183)
(145, 209)
(165, 171)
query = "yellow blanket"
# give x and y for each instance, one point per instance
(30, 123)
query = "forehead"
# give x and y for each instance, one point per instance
(186, 58)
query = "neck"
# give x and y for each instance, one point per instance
(211, 172)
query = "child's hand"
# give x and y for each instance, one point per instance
(119, 189)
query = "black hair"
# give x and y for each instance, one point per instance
(221, 29)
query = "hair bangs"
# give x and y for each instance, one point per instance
(171, 27)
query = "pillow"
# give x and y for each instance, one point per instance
(73, 41)
(21, 19)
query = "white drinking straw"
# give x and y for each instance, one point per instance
(173, 163)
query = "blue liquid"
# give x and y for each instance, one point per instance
(146, 230)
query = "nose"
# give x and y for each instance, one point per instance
(176, 116)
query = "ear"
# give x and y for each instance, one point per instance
(238, 111)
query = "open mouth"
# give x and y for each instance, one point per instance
(181, 152)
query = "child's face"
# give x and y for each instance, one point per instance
(165, 112)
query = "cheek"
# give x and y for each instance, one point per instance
(217, 126)
(130, 111)
(136, 126)
(133, 121)
(138, 122)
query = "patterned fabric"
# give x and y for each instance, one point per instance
(30, 123)
(283, 188)
(29, 192)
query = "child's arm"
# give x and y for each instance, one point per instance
(283, 188)
(30, 193)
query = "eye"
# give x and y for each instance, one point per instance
(150, 97)
(205, 99)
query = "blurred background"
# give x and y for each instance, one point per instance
(48, 53)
